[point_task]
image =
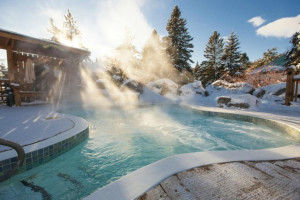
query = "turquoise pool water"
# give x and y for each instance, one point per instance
(123, 140)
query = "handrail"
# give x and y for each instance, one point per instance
(21, 155)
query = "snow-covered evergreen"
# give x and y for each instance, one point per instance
(180, 46)
(211, 69)
(232, 55)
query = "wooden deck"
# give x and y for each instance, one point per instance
(236, 180)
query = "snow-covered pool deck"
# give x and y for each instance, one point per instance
(135, 184)
(43, 133)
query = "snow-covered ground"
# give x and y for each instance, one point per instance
(268, 68)
(269, 101)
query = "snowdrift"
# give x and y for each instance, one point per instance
(192, 88)
(221, 86)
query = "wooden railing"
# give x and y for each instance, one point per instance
(292, 82)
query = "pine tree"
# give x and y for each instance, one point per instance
(70, 27)
(152, 49)
(196, 71)
(231, 56)
(154, 58)
(125, 61)
(270, 55)
(54, 30)
(244, 61)
(127, 53)
(180, 46)
(213, 52)
(293, 55)
(68, 34)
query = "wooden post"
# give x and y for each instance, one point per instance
(17, 95)
(10, 61)
(296, 91)
(11, 71)
(289, 93)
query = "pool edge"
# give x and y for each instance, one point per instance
(44, 151)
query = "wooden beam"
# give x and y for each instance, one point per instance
(10, 61)
(289, 91)
(3, 42)
(296, 91)
(44, 43)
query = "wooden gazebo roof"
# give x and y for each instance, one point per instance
(23, 43)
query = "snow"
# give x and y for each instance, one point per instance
(268, 68)
(296, 77)
(270, 89)
(275, 92)
(192, 88)
(163, 86)
(116, 77)
(292, 67)
(238, 92)
(15, 84)
(221, 86)
(29, 124)
(133, 82)
(104, 81)
(243, 99)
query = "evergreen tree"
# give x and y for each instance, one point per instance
(180, 46)
(196, 71)
(126, 53)
(70, 27)
(293, 55)
(213, 52)
(125, 61)
(154, 58)
(152, 50)
(202, 74)
(197, 65)
(270, 55)
(54, 30)
(3, 71)
(244, 61)
(231, 56)
(68, 34)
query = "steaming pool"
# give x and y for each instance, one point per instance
(123, 140)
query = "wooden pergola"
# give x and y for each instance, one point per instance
(20, 47)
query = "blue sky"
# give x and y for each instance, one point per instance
(103, 22)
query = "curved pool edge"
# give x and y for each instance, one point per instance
(43, 151)
(136, 183)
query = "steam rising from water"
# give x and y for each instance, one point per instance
(142, 56)
(110, 96)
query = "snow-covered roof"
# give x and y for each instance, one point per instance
(23, 42)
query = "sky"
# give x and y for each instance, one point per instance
(259, 24)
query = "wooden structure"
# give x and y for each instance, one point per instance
(49, 54)
(3, 94)
(292, 82)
